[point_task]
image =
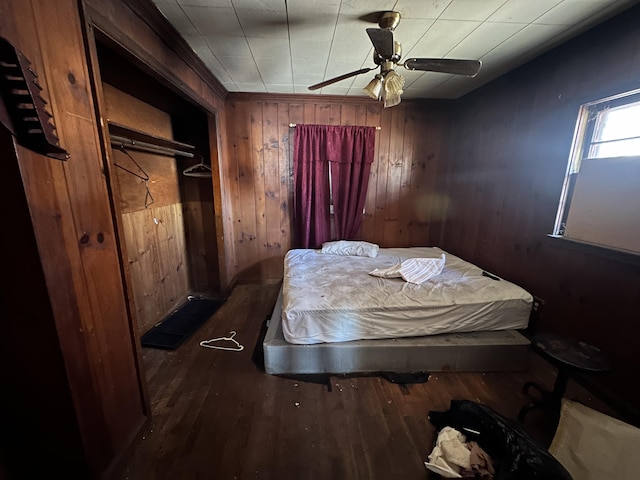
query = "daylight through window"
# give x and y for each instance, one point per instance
(600, 201)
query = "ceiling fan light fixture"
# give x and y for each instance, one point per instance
(374, 87)
(393, 83)
(392, 100)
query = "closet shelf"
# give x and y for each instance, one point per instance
(122, 131)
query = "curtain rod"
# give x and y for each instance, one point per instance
(377, 128)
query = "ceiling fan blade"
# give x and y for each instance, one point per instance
(470, 68)
(382, 40)
(341, 77)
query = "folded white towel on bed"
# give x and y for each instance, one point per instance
(413, 270)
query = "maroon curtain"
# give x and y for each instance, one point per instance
(312, 221)
(350, 151)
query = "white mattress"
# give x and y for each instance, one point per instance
(332, 298)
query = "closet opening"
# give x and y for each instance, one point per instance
(162, 186)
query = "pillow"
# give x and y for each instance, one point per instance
(350, 247)
(413, 270)
(592, 445)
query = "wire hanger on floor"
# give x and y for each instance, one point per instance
(237, 348)
(200, 170)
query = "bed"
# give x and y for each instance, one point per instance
(333, 316)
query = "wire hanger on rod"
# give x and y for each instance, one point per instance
(200, 170)
(148, 198)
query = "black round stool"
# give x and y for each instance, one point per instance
(568, 356)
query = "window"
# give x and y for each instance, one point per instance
(600, 201)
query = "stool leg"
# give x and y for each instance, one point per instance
(559, 388)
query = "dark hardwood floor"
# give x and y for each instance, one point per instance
(217, 415)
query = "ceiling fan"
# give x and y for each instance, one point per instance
(388, 84)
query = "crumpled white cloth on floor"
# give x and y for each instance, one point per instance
(450, 455)
(413, 270)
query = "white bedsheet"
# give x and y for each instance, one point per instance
(332, 298)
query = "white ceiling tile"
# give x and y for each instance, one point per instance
(228, 47)
(484, 39)
(410, 31)
(263, 23)
(251, 87)
(356, 8)
(241, 69)
(205, 3)
(197, 43)
(310, 50)
(296, 43)
(217, 21)
(571, 12)
(471, 9)
(263, 5)
(306, 8)
(426, 80)
(519, 50)
(421, 8)
(178, 18)
(231, 87)
(441, 38)
(452, 86)
(275, 70)
(275, 88)
(523, 11)
(269, 47)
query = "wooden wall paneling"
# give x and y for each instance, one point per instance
(38, 407)
(372, 119)
(161, 268)
(232, 176)
(257, 161)
(92, 216)
(323, 114)
(406, 208)
(142, 251)
(80, 261)
(382, 172)
(219, 155)
(113, 188)
(423, 184)
(347, 115)
(296, 116)
(247, 235)
(394, 176)
(523, 124)
(396, 142)
(336, 114)
(271, 149)
(139, 31)
(285, 178)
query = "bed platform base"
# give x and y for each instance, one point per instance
(506, 350)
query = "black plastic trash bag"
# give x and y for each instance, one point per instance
(515, 454)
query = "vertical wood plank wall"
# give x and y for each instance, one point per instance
(404, 205)
(510, 144)
(154, 232)
(73, 227)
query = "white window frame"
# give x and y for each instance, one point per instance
(589, 116)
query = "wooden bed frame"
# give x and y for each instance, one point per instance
(505, 350)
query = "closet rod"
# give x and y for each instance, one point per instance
(147, 147)
(295, 124)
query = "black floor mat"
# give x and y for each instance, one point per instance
(177, 327)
